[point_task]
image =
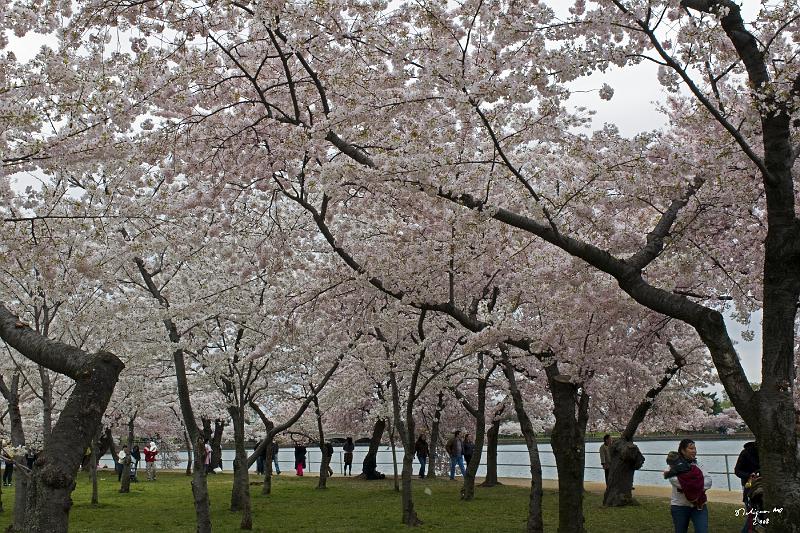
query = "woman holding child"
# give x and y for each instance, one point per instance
(689, 486)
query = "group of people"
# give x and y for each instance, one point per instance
(9, 453)
(459, 450)
(300, 452)
(150, 453)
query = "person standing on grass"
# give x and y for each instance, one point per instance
(136, 456)
(260, 459)
(455, 449)
(747, 469)
(299, 458)
(150, 452)
(421, 450)
(123, 453)
(605, 455)
(348, 448)
(328, 447)
(207, 456)
(689, 486)
(469, 449)
(275, 448)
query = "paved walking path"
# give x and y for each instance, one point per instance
(714, 495)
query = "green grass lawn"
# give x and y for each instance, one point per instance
(348, 505)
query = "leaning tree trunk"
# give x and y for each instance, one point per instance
(125, 481)
(479, 413)
(240, 495)
(188, 444)
(11, 395)
(370, 460)
(570, 408)
(626, 458)
(434, 440)
(534, 523)
(53, 479)
(492, 437)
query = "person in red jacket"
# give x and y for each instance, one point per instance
(150, 452)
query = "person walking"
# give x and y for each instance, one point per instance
(455, 449)
(328, 450)
(348, 448)
(275, 448)
(605, 455)
(421, 450)
(469, 449)
(299, 458)
(689, 486)
(150, 453)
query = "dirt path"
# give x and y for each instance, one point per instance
(714, 495)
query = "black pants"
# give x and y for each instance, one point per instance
(8, 473)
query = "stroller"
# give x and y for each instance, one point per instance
(754, 501)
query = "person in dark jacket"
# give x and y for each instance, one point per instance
(421, 450)
(747, 469)
(299, 458)
(260, 458)
(136, 456)
(469, 448)
(274, 453)
(328, 450)
(348, 448)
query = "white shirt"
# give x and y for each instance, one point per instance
(678, 498)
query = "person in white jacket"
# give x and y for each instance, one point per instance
(682, 509)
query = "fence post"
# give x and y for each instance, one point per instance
(727, 472)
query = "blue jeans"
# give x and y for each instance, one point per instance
(456, 460)
(422, 462)
(275, 462)
(681, 515)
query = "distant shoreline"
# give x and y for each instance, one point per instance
(643, 438)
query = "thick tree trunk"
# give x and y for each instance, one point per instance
(407, 433)
(570, 407)
(370, 460)
(434, 440)
(491, 455)
(266, 487)
(626, 459)
(240, 495)
(53, 479)
(534, 523)
(125, 485)
(202, 502)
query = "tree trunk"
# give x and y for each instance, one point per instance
(626, 459)
(568, 442)
(216, 443)
(370, 460)
(407, 433)
(53, 479)
(47, 403)
(534, 523)
(266, 488)
(491, 455)
(93, 472)
(240, 495)
(394, 459)
(202, 502)
(125, 485)
(188, 444)
(325, 460)
(468, 491)
(434, 440)
(22, 477)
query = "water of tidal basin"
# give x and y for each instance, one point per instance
(512, 460)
